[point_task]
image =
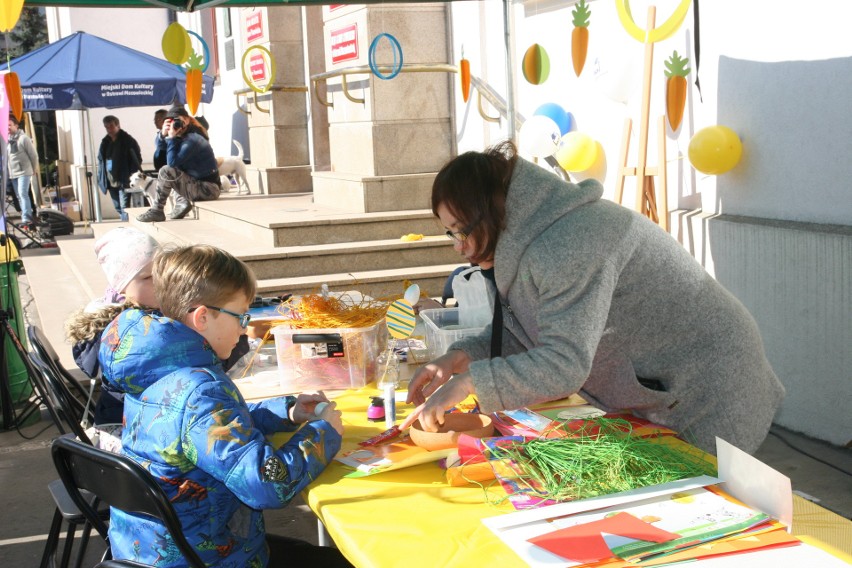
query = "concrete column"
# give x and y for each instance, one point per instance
(278, 123)
(385, 151)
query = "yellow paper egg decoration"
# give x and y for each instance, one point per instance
(10, 11)
(536, 64)
(177, 46)
(401, 319)
(715, 150)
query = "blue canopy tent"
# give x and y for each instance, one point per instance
(83, 71)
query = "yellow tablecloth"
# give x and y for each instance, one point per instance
(411, 517)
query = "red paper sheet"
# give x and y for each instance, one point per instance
(585, 543)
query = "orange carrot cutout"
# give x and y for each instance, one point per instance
(676, 72)
(13, 92)
(464, 74)
(193, 82)
(580, 36)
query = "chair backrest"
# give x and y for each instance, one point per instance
(121, 483)
(48, 354)
(65, 410)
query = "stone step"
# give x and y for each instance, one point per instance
(299, 261)
(285, 220)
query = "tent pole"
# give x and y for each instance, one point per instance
(508, 37)
(93, 192)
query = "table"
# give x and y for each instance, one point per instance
(411, 517)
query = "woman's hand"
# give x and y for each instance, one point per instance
(455, 390)
(434, 374)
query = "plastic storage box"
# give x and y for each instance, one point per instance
(331, 359)
(442, 330)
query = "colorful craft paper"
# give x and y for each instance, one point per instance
(585, 543)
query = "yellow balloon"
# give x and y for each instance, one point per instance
(715, 150)
(176, 44)
(659, 33)
(10, 11)
(576, 152)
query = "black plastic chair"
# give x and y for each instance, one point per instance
(67, 421)
(121, 483)
(78, 395)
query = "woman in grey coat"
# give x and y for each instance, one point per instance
(596, 300)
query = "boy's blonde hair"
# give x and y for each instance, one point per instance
(189, 276)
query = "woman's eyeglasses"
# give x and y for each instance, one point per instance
(461, 236)
(244, 319)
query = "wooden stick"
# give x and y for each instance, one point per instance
(646, 112)
(663, 201)
(623, 170)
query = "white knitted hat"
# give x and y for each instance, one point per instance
(122, 253)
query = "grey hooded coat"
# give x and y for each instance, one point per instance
(594, 296)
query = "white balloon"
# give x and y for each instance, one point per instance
(539, 136)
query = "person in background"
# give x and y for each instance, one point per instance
(159, 152)
(23, 165)
(188, 424)
(119, 156)
(191, 169)
(595, 299)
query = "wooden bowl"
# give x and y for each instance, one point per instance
(455, 424)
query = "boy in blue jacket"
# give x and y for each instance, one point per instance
(187, 423)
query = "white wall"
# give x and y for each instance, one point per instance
(777, 229)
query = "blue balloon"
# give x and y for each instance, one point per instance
(557, 114)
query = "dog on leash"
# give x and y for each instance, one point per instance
(234, 166)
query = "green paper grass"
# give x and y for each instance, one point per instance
(599, 458)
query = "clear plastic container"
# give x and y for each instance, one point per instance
(329, 359)
(442, 330)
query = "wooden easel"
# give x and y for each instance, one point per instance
(646, 199)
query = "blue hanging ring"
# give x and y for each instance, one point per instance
(397, 57)
(206, 52)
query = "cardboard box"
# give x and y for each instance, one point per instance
(330, 359)
(69, 208)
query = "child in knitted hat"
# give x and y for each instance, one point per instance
(126, 256)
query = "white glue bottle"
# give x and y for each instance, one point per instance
(388, 382)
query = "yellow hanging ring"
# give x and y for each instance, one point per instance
(271, 62)
(659, 33)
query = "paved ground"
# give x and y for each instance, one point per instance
(819, 472)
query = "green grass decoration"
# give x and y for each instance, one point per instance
(598, 458)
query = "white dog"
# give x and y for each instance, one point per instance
(147, 184)
(234, 166)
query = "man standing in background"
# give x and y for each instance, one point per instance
(23, 164)
(118, 157)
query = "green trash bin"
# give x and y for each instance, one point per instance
(20, 388)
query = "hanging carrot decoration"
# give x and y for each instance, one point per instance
(580, 36)
(464, 74)
(193, 81)
(13, 92)
(676, 72)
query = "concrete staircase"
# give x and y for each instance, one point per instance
(292, 244)
(295, 246)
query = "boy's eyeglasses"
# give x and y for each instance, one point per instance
(244, 319)
(461, 236)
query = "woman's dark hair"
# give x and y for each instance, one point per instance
(473, 188)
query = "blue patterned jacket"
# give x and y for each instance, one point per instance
(188, 425)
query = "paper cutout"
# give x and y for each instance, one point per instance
(585, 543)
(400, 319)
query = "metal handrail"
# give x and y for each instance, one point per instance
(406, 68)
(254, 94)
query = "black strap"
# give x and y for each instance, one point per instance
(497, 327)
